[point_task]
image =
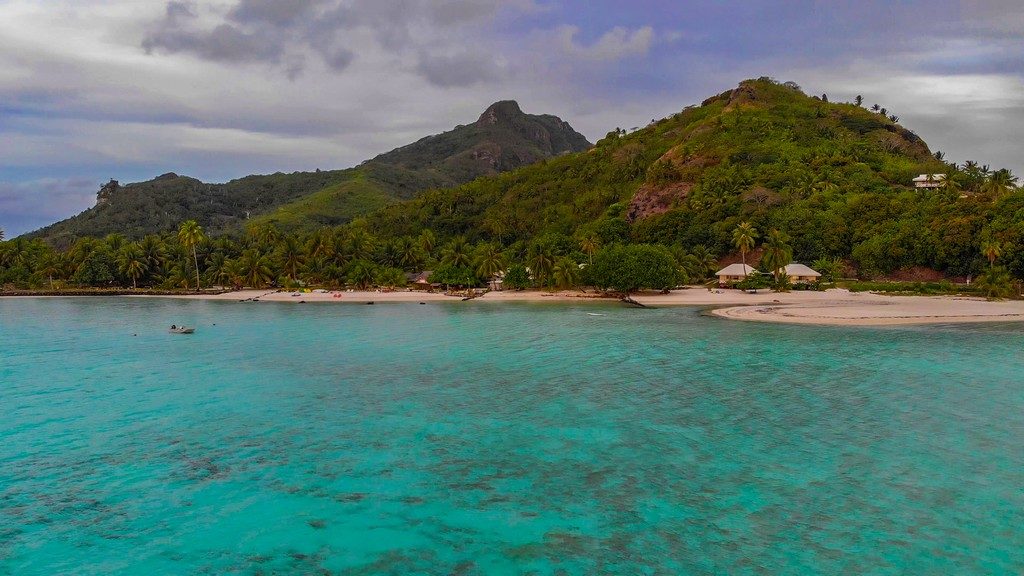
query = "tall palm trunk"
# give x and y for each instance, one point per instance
(195, 259)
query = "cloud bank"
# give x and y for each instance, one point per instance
(217, 89)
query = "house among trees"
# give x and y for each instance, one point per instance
(420, 280)
(929, 181)
(734, 273)
(798, 273)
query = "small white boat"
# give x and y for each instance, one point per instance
(181, 330)
(594, 314)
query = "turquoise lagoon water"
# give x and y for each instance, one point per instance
(486, 438)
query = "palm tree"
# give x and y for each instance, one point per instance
(858, 100)
(975, 174)
(262, 235)
(291, 256)
(115, 241)
(707, 259)
(131, 261)
(361, 244)
(996, 283)
(777, 253)
(217, 269)
(1, 234)
(234, 270)
(319, 246)
(991, 250)
(427, 242)
(831, 269)
(390, 277)
(690, 267)
(315, 269)
(744, 237)
(1000, 182)
(590, 244)
(177, 277)
(190, 234)
(255, 268)
(408, 253)
(542, 261)
(825, 187)
(489, 261)
(950, 184)
(875, 108)
(155, 252)
(361, 274)
(566, 273)
(340, 250)
(389, 254)
(456, 253)
(49, 265)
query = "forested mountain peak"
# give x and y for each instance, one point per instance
(505, 138)
(503, 110)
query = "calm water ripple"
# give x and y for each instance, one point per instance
(501, 439)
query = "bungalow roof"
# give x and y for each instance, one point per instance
(737, 269)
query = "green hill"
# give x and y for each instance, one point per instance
(504, 138)
(837, 178)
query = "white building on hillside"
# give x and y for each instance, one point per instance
(929, 181)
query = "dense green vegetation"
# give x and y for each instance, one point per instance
(835, 178)
(504, 138)
(760, 170)
(335, 257)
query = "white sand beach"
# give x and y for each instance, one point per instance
(833, 307)
(876, 310)
(338, 296)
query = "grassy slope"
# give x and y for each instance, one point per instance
(335, 204)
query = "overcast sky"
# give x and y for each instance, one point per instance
(217, 89)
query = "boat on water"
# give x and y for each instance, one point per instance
(181, 330)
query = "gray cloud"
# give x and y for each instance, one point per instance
(284, 33)
(616, 44)
(458, 70)
(177, 11)
(450, 12)
(179, 32)
(337, 59)
(277, 13)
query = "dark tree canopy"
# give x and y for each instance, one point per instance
(633, 267)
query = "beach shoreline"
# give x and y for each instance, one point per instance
(836, 307)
